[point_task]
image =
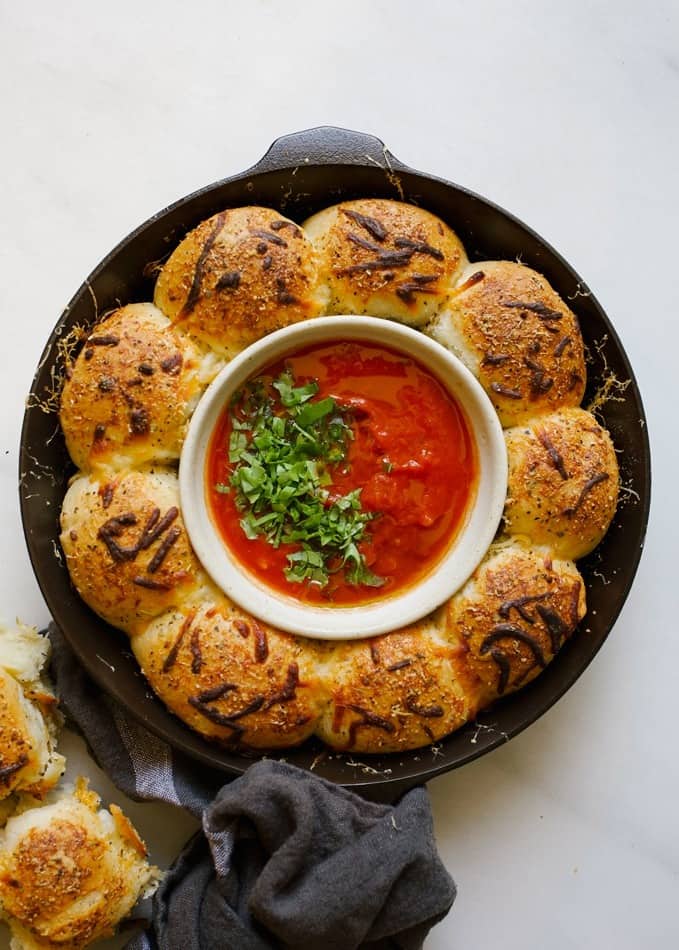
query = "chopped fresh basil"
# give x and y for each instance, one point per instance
(283, 452)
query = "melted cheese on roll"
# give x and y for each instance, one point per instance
(385, 259)
(239, 275)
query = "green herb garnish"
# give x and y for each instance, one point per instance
(283, 458)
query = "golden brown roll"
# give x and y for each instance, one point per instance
(29, 761)
(70, 872)
(126, 546)
(131, 391)
(230, 677)
(513, 616)
(563, 481)
(517, 336)
(394, 692)
(240, 275)
(386, 259)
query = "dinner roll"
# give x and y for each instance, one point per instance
(517, 336)
(386, 259)
(69, 872)
(131, 391)
(239, 275)
(394, 692)
(126, 546)
(24, 653)
(230, 677)
(29, 761)
(563, 481)
(514, 614)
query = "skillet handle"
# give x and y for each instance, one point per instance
(327, 145)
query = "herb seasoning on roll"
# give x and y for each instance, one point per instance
(341, 474)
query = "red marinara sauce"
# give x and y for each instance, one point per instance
(412, 456)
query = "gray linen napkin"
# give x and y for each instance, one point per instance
(284, 860)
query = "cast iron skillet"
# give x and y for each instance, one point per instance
(299, 175)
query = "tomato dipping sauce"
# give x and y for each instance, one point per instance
(410, 452)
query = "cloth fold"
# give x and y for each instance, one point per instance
(285, 859)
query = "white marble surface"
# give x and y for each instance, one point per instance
(564, 113)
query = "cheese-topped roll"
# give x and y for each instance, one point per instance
(394, 692)
(385, 259)
(131, 391)
(239, 275)
(513, 615)
(563, 481)
(29, 761)
(230, 677)
(69, 872)
(519, 338)
(126, 546)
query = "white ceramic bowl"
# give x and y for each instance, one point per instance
(469, 546)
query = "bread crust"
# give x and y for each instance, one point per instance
(29, 721)
(563, 482)
(385, 258)
(131, 391)
(67, 873)
(126, 546)
(28, 762)
(394, 692)
(514, 614)
(239, 275)
(517, 336)
(232, 678)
